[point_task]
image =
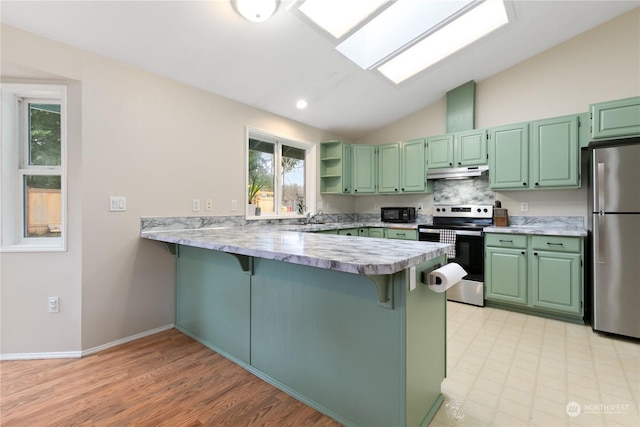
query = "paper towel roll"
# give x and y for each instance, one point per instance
(445, 277)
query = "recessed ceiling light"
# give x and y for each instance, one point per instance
(301, 104)
(338, 17)
(463, 31)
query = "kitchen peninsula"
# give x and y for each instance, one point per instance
(345, 324)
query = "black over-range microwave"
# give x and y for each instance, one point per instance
(398, 214)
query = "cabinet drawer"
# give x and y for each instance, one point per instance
(402, 233)
(556, 243)
(506, 240)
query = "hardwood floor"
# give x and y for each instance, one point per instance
(165, 379)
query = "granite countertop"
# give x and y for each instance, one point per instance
(290, 243)
(539, 229)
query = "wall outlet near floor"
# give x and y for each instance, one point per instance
(208, 205)
(524, 207)
(195, 205)
(54, 304)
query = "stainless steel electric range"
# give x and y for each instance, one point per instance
(463, 225)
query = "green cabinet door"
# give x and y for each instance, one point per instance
(440, 151)
(363, 169)
(470, 148)
(555, 153)
(389, 168)
(377, 232)
(615, 119)
(335, 167)
(413, 167)
(509, 156)
(556, 281)
(349, 232)
(506, 275)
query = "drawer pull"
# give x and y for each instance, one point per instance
(400, 234)
(506, 241)
(555, 244)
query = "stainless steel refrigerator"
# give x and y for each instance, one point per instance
(614, 204)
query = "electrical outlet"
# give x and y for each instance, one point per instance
(327, 206)
(524, 207)
(376, 206)
(54, 304)
(234, 205)
(195, 205)
(208, 205)
(419, 206)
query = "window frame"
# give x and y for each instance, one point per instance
(14, 164)
(309, 173)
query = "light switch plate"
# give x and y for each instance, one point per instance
(117, 204)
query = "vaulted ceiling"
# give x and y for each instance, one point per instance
(271, 65)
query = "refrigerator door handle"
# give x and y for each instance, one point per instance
(600, 238)
(599, 188)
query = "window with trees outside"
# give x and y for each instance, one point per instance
(33, 167)
(279, 176)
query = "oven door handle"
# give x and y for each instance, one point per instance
(458, 232)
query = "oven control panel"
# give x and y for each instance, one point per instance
(463, 211)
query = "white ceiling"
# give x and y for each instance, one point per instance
(271, 65)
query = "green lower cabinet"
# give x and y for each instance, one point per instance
(556, 281)
(349, 232)
(506, 275)
(542, 276)
(402, 234)
(377, 232)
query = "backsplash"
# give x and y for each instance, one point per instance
(469, 191)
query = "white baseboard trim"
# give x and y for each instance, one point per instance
(79, 354)
(127, 339)
(49, 355)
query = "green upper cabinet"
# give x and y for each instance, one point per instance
(440, 151)
(363, 168)
(413, 167)
(615, 119)
(389, 168)
(509, 156)
(335, 167)
(555, 153)
(470, 148)
(540, 154)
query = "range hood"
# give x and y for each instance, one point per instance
(457, 173)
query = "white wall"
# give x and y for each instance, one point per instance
(600, 65)
(138, 135)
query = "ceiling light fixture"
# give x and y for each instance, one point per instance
(468, 28)
(301, 104)
(256, 10)
(338, 17)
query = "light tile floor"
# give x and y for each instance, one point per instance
(512, 369)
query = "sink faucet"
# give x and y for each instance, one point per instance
(311, 215)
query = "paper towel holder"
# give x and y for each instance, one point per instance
(426, 278)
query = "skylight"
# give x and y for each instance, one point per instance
(408, 36)
(470, 27)
(338, 17)
(395, 28)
